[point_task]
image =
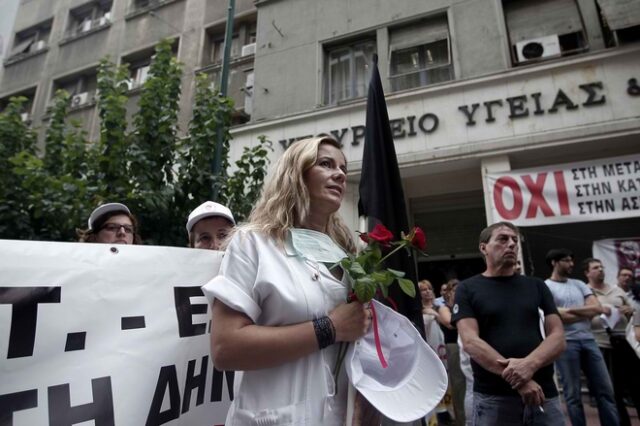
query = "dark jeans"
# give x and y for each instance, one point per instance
(624, 368)
(493, 410)
(586, 356)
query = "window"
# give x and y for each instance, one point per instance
(543, 29)
(242, 55)
(239, 88)
(27, 106)
(82, 88)
(620, 22)
(420, 54)
(92, 15)
(243, 41)
(348, 70)
(139, 73)
(31, 40)
(140, 64)
(138, 5)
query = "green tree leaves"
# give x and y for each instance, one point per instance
(159, 175)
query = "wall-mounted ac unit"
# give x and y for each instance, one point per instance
(248, 49)
(25, 117)
(79, 99)
(39, 45)
(536, 48)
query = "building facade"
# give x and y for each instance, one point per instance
(57, 44)
(473, 87)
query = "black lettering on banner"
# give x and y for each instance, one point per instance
(628, 185)
(562, 99)
(489, 106)
(216, 384)
(167, 379)
(192, 382)
(12, 402)
(631, 203)
(61, 413)
(132, 323)
(358, 134)
(590, 88)
(24, 315)
(469, 114)
(185, 311)
(434, 125)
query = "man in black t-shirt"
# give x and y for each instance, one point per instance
(502, 318)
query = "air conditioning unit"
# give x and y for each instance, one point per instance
(248, 49)
(39, 45)
(536, 48)
(79, 99)
(25, 117)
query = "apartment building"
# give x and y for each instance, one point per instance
(474, 88)
(57, 44)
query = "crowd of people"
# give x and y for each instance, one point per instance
(513, 330)
(279, 306)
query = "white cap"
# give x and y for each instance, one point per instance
(104, 209)
(415, 379)
(207, 209)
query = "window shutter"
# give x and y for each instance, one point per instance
(425, 31)
(621, 13)
(538, 18)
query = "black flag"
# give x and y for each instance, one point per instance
(381, 193)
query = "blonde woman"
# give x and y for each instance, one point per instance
(277, 307)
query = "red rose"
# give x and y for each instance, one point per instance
(419, 240)
(381, 234)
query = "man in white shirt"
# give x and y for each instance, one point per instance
(623, 366)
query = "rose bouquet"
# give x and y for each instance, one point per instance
(365, 269)
(368, 278)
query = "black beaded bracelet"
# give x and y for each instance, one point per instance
(325, 331)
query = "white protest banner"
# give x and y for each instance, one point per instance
(601, 189)
(107, 335)
(616, 253)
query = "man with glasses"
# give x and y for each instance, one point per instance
(577, 305)
(111, 223)
(625, 279)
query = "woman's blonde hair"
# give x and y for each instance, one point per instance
(284, 202)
